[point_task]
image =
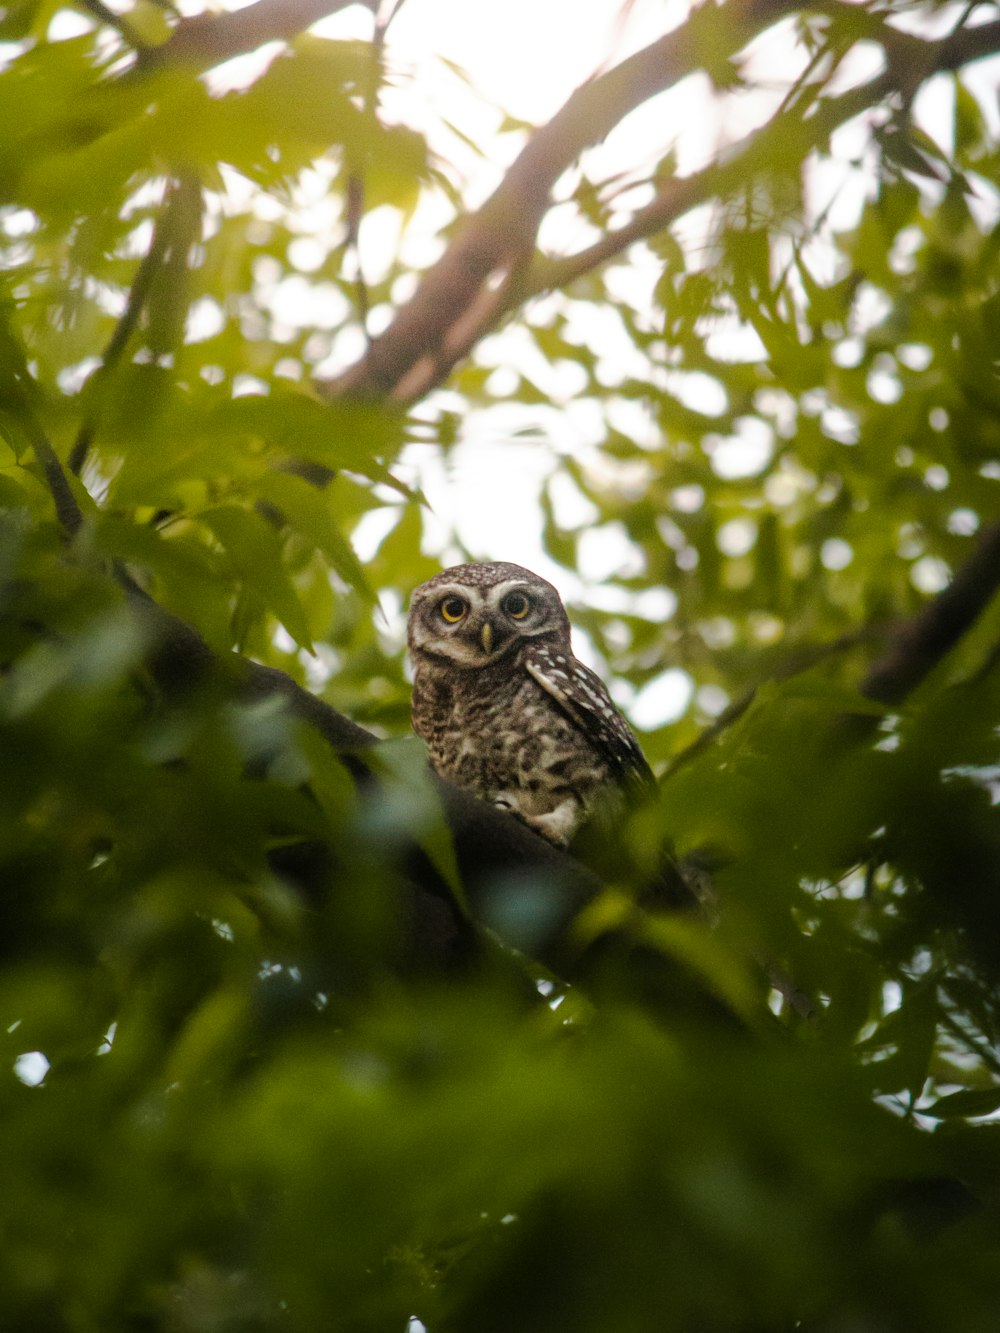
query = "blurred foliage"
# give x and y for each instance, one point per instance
(240, 1094)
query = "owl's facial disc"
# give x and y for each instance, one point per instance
(459, 625)
(472, 624)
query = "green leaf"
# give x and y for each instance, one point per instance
(255, 549)
(354, 436)
(969, 1104)
(309, 512)
(411, 806)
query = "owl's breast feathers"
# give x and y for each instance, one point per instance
(537, 734)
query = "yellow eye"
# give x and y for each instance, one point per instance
(452, 609)
(517, 605)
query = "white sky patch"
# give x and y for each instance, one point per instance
(698, 391)
(31, 1068)
(930, 574)
(242, 69)
(712, 699)
(745, 453)
(915, 356)
(488, 490)
(840, 425)
(71, 379)
(835, 554)
(20, 221)
(737, 537)
(67, 24)
(663, 699)
(300, 304)
(963, 522)
(607, 552)
(654, 604)
(530, 78)
(735, 342)
(205, 319)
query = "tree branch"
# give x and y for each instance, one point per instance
(803, 658)
(67, 509)
(926, 639)
(208, 39)
(455, 306)
(496, 854)
(21, 390)
(117, 21)
(672, 201)
(164, 237)
(918, 644)
(678, 197)
(923, 56)
(501, 235)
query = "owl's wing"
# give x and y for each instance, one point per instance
(583, 697)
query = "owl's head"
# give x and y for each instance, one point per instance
(475, 615)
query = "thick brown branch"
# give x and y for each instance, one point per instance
(930, 636)
(485, 314)
(208, 39)
(970, 44)
(502, 233)
(674, 200)
(454, 307)
(923, 56)
(181, 660)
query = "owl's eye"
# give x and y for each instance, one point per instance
(517, 605)
(452, 609)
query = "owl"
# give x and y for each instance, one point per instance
(506, 710)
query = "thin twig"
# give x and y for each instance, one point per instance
(160, 247)
(803, 659)
(20, 396)
(119, 22)
(68, 510)
(134, 306)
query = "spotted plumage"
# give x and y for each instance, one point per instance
(504, 707)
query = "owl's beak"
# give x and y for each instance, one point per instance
(486, 636)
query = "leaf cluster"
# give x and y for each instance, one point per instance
(297, 1039)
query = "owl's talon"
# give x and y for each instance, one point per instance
(558, 825)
